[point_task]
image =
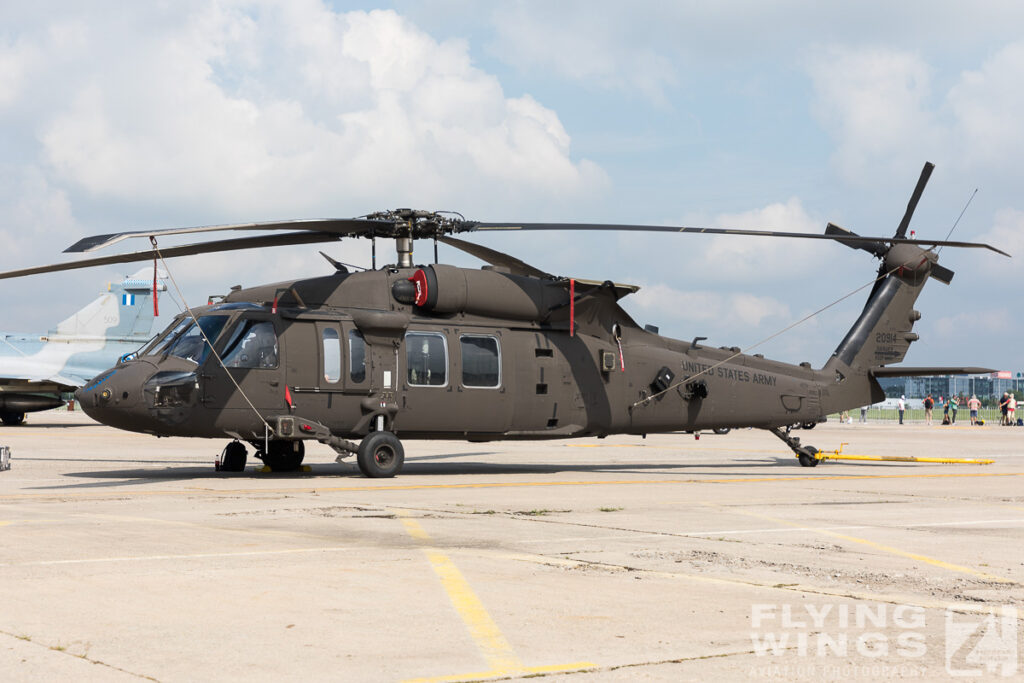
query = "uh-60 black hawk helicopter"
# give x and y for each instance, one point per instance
(503, 352)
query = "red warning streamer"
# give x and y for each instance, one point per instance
(156, 303)
(572, 306)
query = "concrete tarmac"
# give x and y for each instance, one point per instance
(124, 557)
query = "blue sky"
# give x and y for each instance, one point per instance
(781, 115)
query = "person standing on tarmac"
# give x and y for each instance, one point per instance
(974, 405)
(901, 405)
(954, 405)
(929, 403)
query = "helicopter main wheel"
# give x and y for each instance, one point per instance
(721, 430)
(12, 419)
(232, 458)
(808, 456)
(284, 456)
(380, 455)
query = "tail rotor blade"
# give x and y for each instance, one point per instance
(926, 173)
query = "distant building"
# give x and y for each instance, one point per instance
(989, 386)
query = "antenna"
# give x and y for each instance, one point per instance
(957, 221)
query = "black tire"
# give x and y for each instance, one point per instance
(808, 456)
(380, 455)
(721, 430)
(809, 425)
(232, 458)
(12, 419)
(284, 456)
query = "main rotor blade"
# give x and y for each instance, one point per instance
(495, 258)
(333, 226)
(875, 248)
(926, 173)
(472, 226)
(184, 250)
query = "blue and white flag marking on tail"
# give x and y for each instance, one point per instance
(127, 299)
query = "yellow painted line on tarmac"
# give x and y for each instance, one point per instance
(496, 649)
(210, 492)
(877, 546)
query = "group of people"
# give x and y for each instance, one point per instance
(1008, 409)
(949, 409)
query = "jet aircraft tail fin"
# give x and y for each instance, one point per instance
(124, 311)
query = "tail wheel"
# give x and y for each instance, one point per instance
(380, 455)
(721, 430)
(808, 456)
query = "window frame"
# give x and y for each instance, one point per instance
(462, 360)
(350, 334)
(447, 358)
(337, 355)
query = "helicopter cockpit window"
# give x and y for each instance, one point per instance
(357, 356)
(481, 362)
(192, 344)
(332, 354)
(426, 359)
(254, 346)
(163, 340)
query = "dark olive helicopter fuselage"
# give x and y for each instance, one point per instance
(489, 356)
(503, 352)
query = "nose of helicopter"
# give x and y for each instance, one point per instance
(115, 397)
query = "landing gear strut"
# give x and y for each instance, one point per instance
(807, 455)
(282, 455)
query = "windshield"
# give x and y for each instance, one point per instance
(159, 344)
(189, 343)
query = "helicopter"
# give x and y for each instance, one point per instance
(361, 361)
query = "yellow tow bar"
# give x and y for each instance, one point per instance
(839, 455)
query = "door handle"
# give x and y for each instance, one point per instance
(274, 383)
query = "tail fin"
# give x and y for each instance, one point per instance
(883, 332)
(124, 312)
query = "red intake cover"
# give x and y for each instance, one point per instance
(419, 278)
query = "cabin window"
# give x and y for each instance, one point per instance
(254, 347)
(426, 356)
(332, 354)
(357, 356)
(481, 361)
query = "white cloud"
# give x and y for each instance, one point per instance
(728, 311)
(597, 44)
(876, 102)
(987, 105)
(879, 106)
(255, 106)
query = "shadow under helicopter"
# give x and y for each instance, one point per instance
(420, 467)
